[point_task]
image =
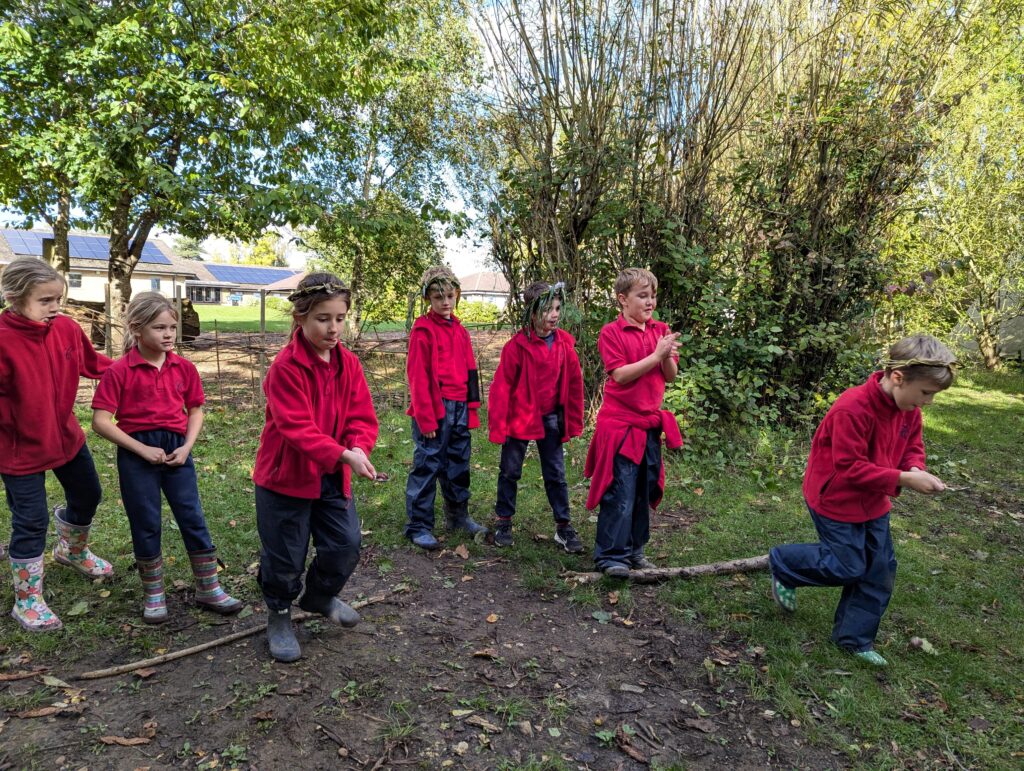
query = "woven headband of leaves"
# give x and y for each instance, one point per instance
(441, 282)
(900, 363)
(308, 290)
(542, 303)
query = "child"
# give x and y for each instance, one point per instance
(157, 398)
(624, 459)
(444, 398)
(42, 356)
(867, 448)
(537, 394)
(320, 427)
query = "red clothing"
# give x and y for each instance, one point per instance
(526, 377)
(858, 452)
(438, 367)
(628, 410)
(145, 398)
(40, 364)
(315, 411)
(624, 432)
(621, 343)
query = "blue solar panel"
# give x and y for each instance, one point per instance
(81, 247)
(247, 274)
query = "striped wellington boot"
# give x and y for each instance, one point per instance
(209, 593)
(152, 574)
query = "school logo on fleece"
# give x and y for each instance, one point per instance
(905, 429)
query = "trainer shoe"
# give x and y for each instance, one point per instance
(503, 532)
(641, 563)
(871, 657)
(568, 539)
(784, 597)
(616, 571)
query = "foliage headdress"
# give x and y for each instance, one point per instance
(541, 304)
(439, 277)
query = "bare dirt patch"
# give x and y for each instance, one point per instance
(464, 669)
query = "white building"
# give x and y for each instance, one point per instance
(485, 287)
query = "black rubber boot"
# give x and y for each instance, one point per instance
(331, 608)
(457, 518)
(281, 636)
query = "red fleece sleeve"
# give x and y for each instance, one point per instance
(420, 372)
(574, 409)
(850, 435)
(289, 405)
(92, 364)
(500, 394)
(360, 429)
(914, 454)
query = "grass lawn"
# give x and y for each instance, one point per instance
(958, 586)
(246, 318)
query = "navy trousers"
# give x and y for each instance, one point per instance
(443, 459)
(624, 516)
(30, 513)
(858, 556)
(142, 482)
(552, 468)
(285, 524)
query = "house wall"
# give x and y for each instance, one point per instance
(93, 285)
(493, 298)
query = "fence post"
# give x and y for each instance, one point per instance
(216, 350)
(263, 339)
(107, 329)
(177, 309)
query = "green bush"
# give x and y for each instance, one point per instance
(478, 312)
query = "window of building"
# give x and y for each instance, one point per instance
(204, 294)
(154, 284)
(74, 280)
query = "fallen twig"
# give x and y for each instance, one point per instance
(654, 575)
(173, 655)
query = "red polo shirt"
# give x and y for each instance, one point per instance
(620, 343)
(144, 398)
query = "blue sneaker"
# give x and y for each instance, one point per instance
(425, 540)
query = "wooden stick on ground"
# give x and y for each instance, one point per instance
(653, 576)
(300, 616)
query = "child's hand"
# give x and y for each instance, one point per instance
(178, 457)
(922, 481)
(429, 434)
(360, 464)
(667, 345)
(154, 455)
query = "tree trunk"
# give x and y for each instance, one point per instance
(987, 337)
(61, 258)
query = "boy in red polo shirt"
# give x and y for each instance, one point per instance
(157, 398)
(537, 394)
(866, 449)
(624, 460)
(444, 395)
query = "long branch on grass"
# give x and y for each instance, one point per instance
(654, 575)
(173, 655)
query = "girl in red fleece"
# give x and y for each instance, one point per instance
(866, 449)
(444, 397)
(320, 428)
(42, 356)
(537, 394)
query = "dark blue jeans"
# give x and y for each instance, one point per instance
(141, 484)
(285, 524)
(624, 517)
(552, 468)
(30, 513)
(857, 556)
(443, 459)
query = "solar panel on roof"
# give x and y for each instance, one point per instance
(245, 274)
(80, 247)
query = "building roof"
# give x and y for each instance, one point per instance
(484, 282)
(288, 284)
(249, 276)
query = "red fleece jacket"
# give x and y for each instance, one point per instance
(315, 411)
(430, 333)
(40, 365)
(513, 404)
(858, 452)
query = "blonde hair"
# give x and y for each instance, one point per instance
(632, 277)
(922, 357)
(142, 309)
(312, 290)
(22, 275)
(441, 278)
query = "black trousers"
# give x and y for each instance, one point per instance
(285, 524)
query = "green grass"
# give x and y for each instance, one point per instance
(958, 585)
(246, 318)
